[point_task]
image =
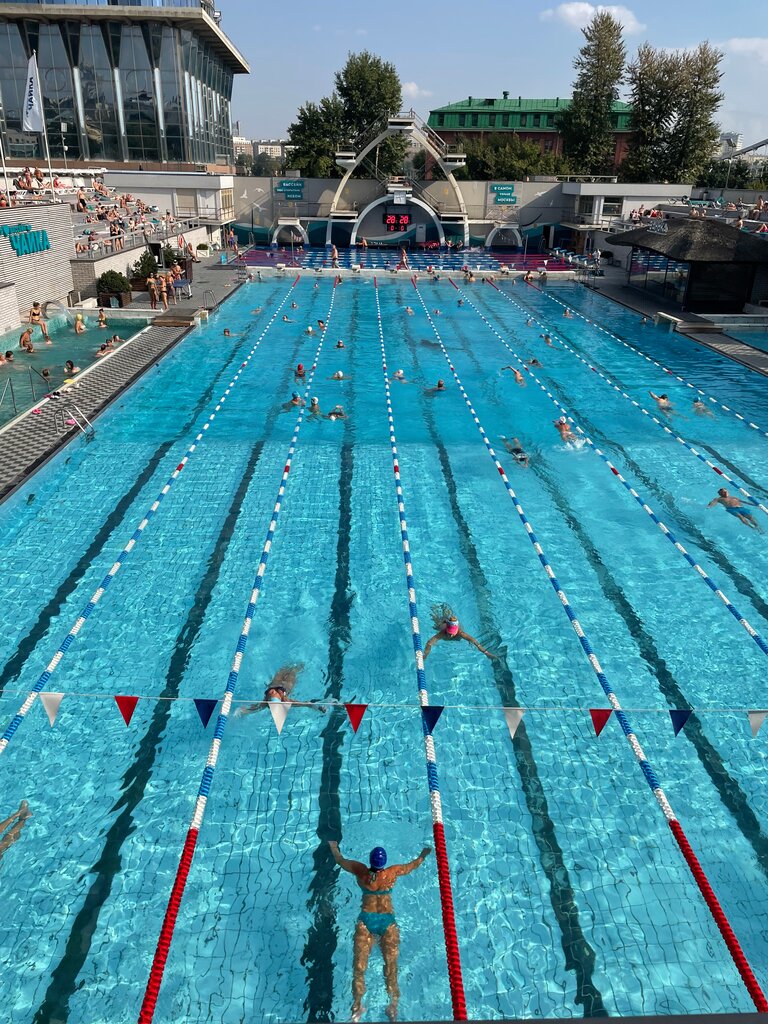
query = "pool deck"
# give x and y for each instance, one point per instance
(614, 286)
(30, 440)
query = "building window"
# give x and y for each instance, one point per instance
(440, 120)
(537, 120)
(475, 120)
(462, 120)
(505, 120)
(491, 120)
(548, 144)
(612, 207)
(523, 120)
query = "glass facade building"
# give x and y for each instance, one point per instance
(145, 81)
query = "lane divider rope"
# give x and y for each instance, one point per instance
(655, 362)
(97, 595)
(729, 937)
(162, 949)
(702, 573)
(441, 851)
(616, 387)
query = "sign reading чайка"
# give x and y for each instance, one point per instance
(24, 240)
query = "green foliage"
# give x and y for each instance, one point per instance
(674, 99)
(587, 127)
(509, 158)
(719, 173)
(145, 265)
(266, 166)
(111, 282)
(244, 162)
(367, 89)
(316, 133)
(169, 255)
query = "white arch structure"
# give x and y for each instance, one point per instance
(388, 199)
(414, 129)
(503, 227)
(297, 226)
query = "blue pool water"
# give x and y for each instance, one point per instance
(757, 337)
(571, 896)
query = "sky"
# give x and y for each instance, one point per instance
(444, 53)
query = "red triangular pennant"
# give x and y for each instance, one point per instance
(599, 717)
(205, 708)
(127, 706)
(355, 712)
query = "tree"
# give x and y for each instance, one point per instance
(587, 125)
(266, 166)
(654, 83)
(509, 158)
(369, 89)
(716, 173)
(243, 163)
(693, 132)
(316, 134)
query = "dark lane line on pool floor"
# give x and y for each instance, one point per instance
(27, 645)
(322, 936)
(729, 790)
(675, 512)
(63, 984)
(579, 954)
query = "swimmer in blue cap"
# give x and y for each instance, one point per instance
(376, 922)
(296, 402)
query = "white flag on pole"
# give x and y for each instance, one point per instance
(33, 99)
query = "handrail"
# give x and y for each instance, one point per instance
(214, 300)
(9, 384)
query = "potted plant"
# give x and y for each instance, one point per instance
(111, 285)
(144, 266)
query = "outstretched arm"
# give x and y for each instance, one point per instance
(713, 502)
(353, 866)
(479, 646)
(430, 644)
(406, 869)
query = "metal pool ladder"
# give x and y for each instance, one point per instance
(73, 412)
(214, 301)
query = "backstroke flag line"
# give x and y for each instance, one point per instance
(33, 100)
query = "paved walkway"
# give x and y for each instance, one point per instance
(31, 440)
(614, 286)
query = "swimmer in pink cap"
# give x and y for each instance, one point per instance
(448, 628)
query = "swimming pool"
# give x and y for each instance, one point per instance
(570, 894)
(26, 369)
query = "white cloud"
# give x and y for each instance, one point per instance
(412, 91)
(749, 46)
(579, 15)
(361, 31)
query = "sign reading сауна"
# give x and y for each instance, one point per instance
(24, 240)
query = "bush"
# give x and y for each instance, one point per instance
(112, 282)
(145, 265)
(169, 255)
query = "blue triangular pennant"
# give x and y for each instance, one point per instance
(205, 708)
(679, 718)
(431, 713)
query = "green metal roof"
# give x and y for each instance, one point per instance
(512, 114)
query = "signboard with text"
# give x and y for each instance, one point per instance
(291, 188)
(504, 193)
(24, 240)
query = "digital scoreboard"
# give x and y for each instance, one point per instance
(397, 221)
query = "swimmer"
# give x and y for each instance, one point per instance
(437, 312)
(314, 407)
(294, 305)
(102, 351)
(514, 448)
(376, 922)
(296, 402)
(460, 302)
(339, 375)
(227, 332)
(409, 311)
(102, 318)
(519, 379)
(79, 324)
(337, 413)
(567, 314)
(663, 403)
(399, 375)
(299, 373)
(10, 827)
(116, 339)
(564, 430)
(440, 386)
(644, 321)
(735, 507)
(8, 356)
(255, 312)
(310, 330)
(547, 340)
(529, 322)
(447, 626)
(340, 344)
(533, 362)
(321, 324)
(701, 409)
(286, 319)
(25, 340)
(279, 690)
(69, 367)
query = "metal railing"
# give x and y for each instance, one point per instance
(8, 386)
(137, 239)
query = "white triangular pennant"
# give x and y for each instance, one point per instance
(279, 714)
(756, 719)
(51, 702)
(514, 717)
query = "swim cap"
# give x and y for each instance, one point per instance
(452, 627)
(314, 400)
(378, 857)
(295, 394)
(300, 366)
